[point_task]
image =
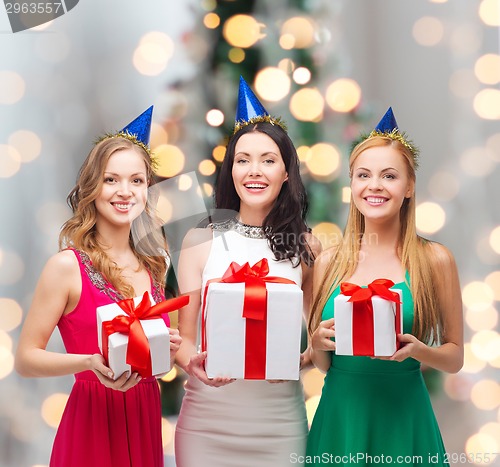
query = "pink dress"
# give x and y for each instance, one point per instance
(102, 427)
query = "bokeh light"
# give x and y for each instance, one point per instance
(215, 117)
(53, 408)
(301, 75)
(211, 20)
(11, 268)
(12, 88)
(428, 31)
(495, 239)
(465, 39)
(431, 217)
(219, 153)
(242, 31)
(329, 234)
(299, 32)
(493, 145)
(208, 189)
(307, 105)
(10, 161)
(324, 160)
(485, 394)
(484, 319)
(343, 95)
(154, 51)
(27, 144)
(11, 314)
(272, 84)
(207, 167)
(485, 344)
(6, 362)
(479, 444)
(185, 182)
(6, 341)
(487, 104)
(489, 12)
(477, 296)
(170, 160)
(171, 375)
(164, 209)
(236, 55)
(346, 194)
(493, 280)
(159, 135)
(487, 69)
(472, 363)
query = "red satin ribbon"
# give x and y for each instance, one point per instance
(363, 338)
(254, 311)
(138, 350)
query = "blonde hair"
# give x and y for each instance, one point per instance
(414, 251)
(79, 232)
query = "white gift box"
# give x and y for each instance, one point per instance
(384, 326)
(226, 331)
(156, 332)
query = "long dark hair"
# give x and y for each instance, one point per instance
(285, 225)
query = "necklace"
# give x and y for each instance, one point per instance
(249, 231)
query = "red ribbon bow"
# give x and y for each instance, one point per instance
(362, 315)
(138, 350)
(254, 310)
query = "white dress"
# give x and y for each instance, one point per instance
(247, 423)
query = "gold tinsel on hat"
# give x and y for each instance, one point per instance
(259, 119)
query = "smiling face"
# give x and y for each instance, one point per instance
(380, 183)
(258, 172)
(123, 194)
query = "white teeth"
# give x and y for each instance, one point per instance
(122, 206)
(255, 185)
(376, 200)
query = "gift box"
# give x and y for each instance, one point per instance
(368, 319)
(133, 336)
(251, 325)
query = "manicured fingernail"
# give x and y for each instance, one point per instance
(110, 374)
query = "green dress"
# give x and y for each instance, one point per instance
(375, 412)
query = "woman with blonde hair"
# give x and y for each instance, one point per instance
(110, 249)
(378, 409)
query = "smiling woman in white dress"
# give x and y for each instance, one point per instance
(245, 423)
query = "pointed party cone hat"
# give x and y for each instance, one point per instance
(249, 109)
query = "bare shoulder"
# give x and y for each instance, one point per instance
(63, 264)
(196, 237)
(440, 256)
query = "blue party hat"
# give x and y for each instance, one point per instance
(141, 126)
(249, 109)
(137, 131)
(387, 122)
(387, 127)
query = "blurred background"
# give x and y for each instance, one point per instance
(330, 68)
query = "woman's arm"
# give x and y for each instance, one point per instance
(57, 293)
(194, 255)
(321, 344)
(449, 356)
(307, 289)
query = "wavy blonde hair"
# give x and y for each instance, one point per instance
(414, 251)
(146, 237)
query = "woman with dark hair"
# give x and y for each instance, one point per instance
(225, 422)
(109, 420)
